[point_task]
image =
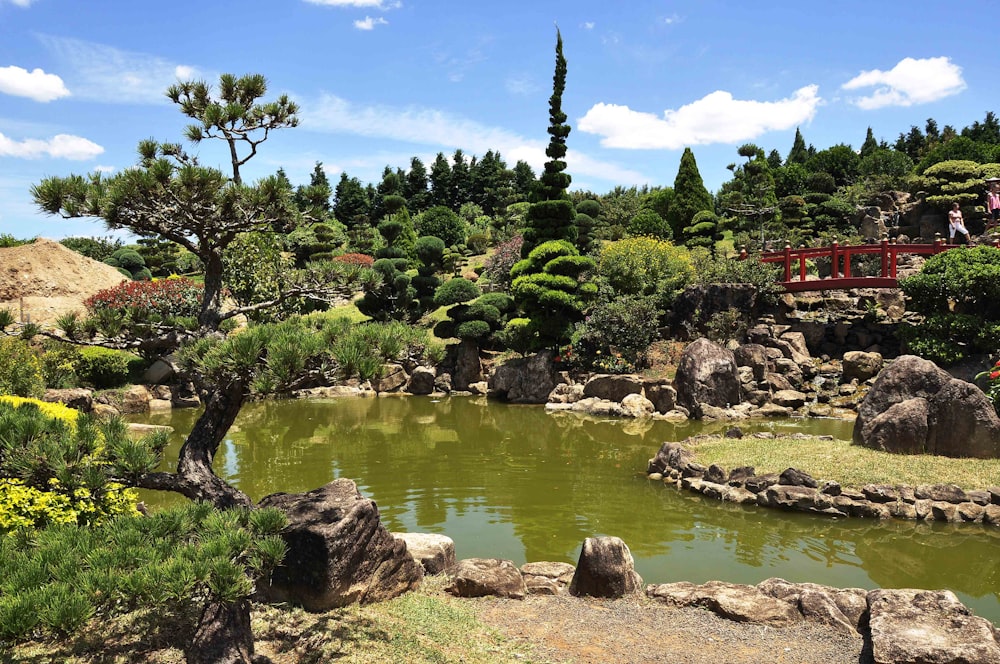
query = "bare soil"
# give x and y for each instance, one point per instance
(44, 280)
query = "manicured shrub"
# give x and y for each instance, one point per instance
(441, 222)
(59, 363)
(105, 368)
(505, 255)
(644, 266)
(20, 369)
(454, 291)
(616, 334)
(166, 298)
(363, 260)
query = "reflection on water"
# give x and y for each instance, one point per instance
(519, 483)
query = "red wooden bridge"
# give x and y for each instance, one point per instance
(794, 263)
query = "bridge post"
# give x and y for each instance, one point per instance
(938, 243)
(788, 262)
(743, 252)
(885, 255)
(802, 262)
(835, 262)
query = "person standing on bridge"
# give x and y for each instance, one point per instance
(957, 225)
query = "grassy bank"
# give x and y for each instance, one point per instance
(843, 462)
(422, 626)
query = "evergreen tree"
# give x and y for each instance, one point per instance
(546, 283)
(314, 200)
(440, 181)
(415, 187)
(524, 180)
(551, 214)
(352, 205)
(798, 154)
(461, 181)
(870, 144)
(690, 194)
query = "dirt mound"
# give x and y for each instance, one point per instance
(50, 280)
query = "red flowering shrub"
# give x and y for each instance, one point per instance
(497, 267)
(362, 260)
(165, 297)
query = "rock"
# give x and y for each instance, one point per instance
(338, 551)
(442, 382)
(960, 420)
(481, 388)
(663, 397)
(104, 411)
(435, 553)
(547, 578)
(597, 407)
(797, 342)
(605, 569)
(754, 357)
(482, 577)
(78, 398)
(393, 377)
(612, 387)
(421, 381)
(772, 410)
(136, 430)
(796, 477)
(947, 493)
(733, 601)
(469, 368)
(636, 405)
(566, 393)
(524, 380)
(135, 400)
(929, 627)
(706, 373)
(789, 398)
(840, 608)
(777, 382)
(159, 405)
(860, 365)
(159, 372)
(670, 455)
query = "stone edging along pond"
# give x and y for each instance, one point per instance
(796, 490)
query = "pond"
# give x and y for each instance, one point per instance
(519, 483)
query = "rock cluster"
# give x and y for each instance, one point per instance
(132, 400)
(797, 490)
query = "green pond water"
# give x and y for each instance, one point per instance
(519, 483)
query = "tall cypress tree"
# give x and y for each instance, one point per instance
(690, 194)
(551, 216)
(870, 144)
(798, 154)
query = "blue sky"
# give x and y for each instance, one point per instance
(380, 81)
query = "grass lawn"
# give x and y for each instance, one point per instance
(843, 462)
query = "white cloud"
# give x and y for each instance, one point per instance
(520, 85)
(110, 75)
(369, 23)
(19, 3)
(447, 131)
(60, 146)
(104, 169)
(369, 4)
(715, 118)
(589, 25)
(34, 84)
(673, 18)
(910, 82)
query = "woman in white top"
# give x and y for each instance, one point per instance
(957, 225)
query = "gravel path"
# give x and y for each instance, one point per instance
(638, 630)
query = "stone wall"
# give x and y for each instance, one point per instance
(797, 490)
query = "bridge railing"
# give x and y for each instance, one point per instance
(793, 261)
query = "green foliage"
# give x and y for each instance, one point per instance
(645, 266)
(454, 291)
(7, 318)
(958, 293)
(616, 334)
(690, 194)
(441, 222)
(20, 369)
(649, 223)
(54, 466)
(104, 368)
(992, 378)
(171, 562)
(724, 270)
(59, 363)
(952, 181)
(840, 161)
(96, 248)
(395, 297)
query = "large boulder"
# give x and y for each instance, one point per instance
(391, 378)
(468, 366)
(860, 365)
(605, 569)
(707, 373)
(612, 387)
(481, 577)
(914, 407)
(421, 381)
(733, 601)
(930, 627)
(524, 380)
(753, 356)
(79, 398)
(339, 552)
(547, 578)
(662, 396)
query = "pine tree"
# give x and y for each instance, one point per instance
(870, 144)
(798, 154)
(415, 187)
(440, 180)
(690, 194)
